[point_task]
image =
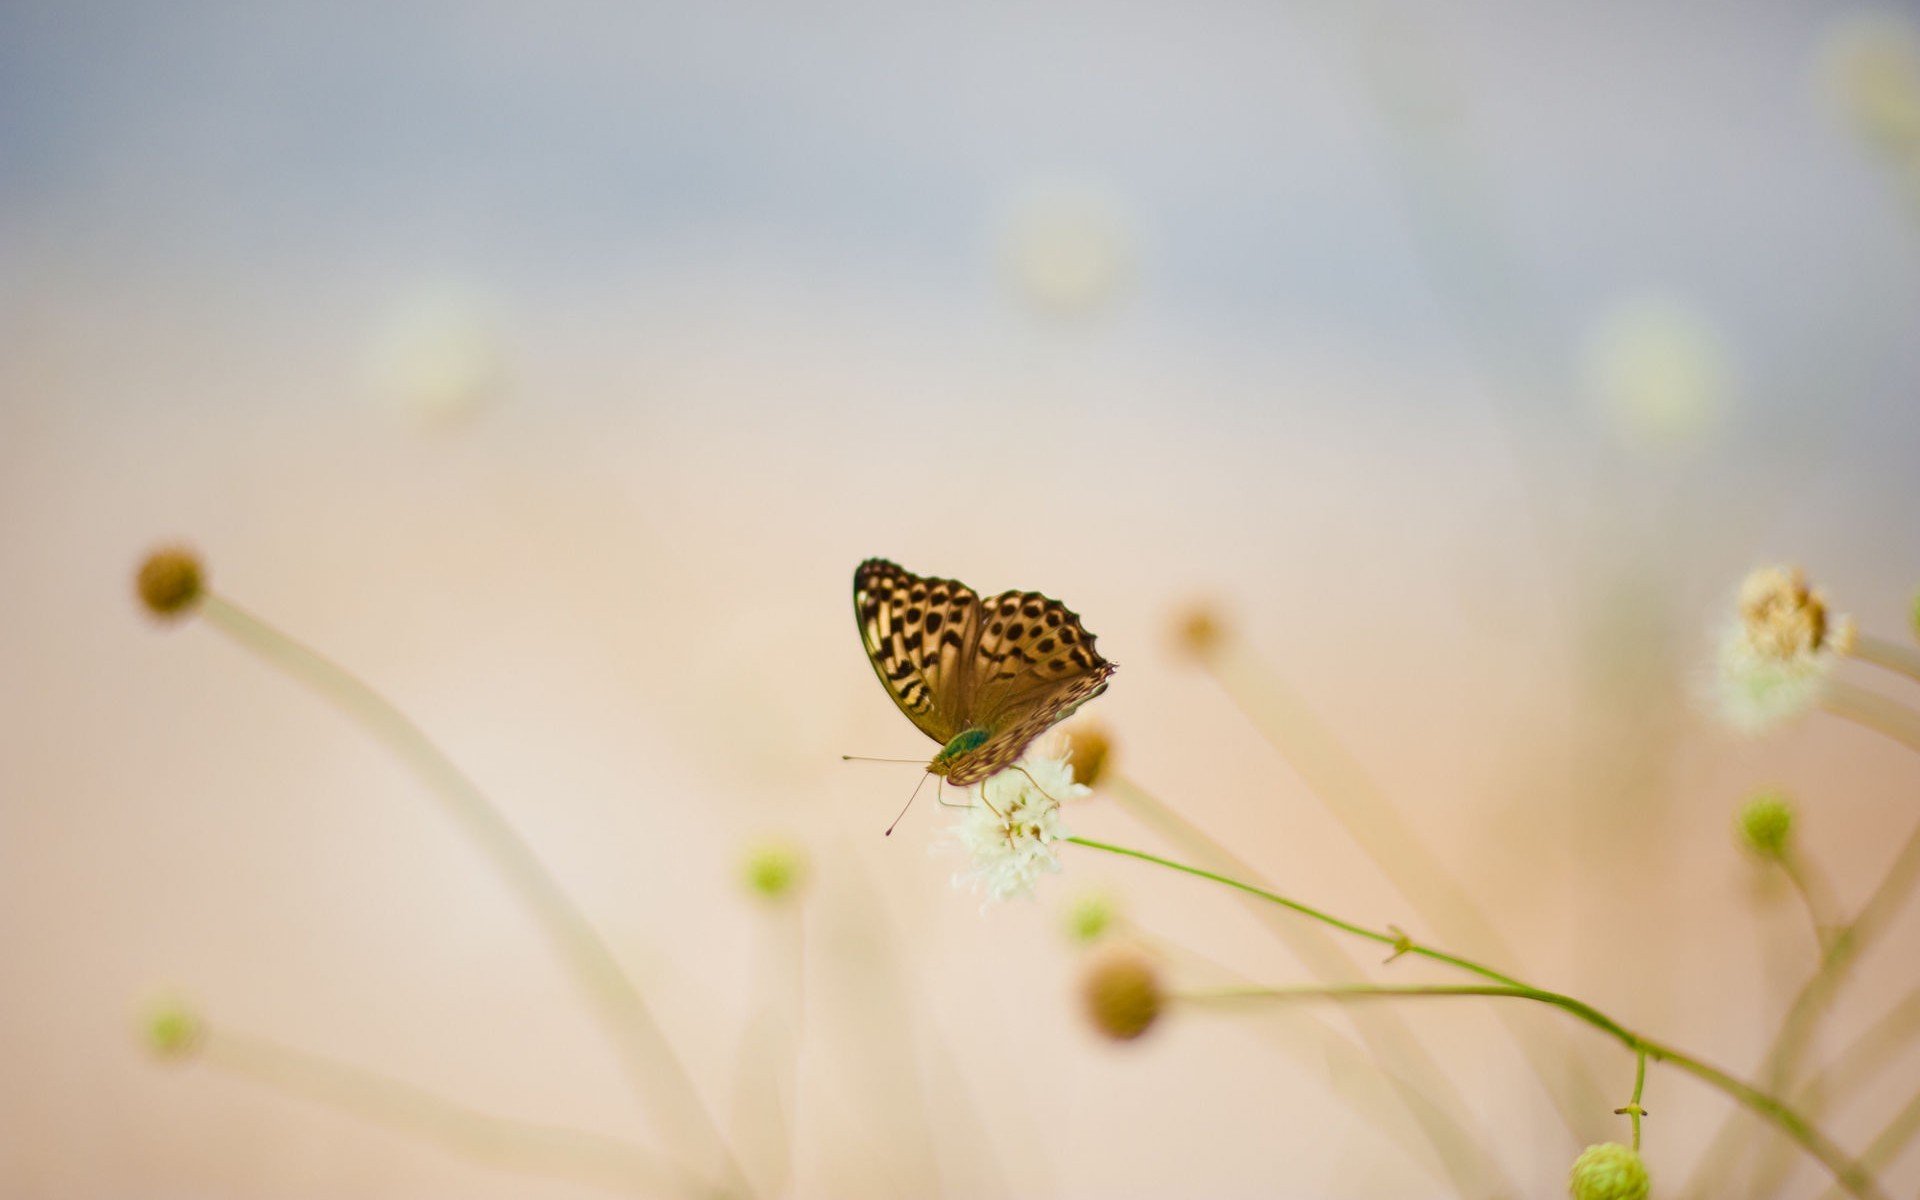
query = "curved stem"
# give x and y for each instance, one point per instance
(514, 1145)
(662, 1081)
(1633, 1110)
(1850, 1174)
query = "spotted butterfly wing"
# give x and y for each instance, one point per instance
(1000, 671)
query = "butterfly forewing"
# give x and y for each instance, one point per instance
(918, 633)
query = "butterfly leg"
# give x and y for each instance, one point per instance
(1036, 784)
(940, 797)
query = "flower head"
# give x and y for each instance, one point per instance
(1608, 1171)
(1122, 996)
(1011, 826)
(1766, 823)
(1777, 653)
(1198, 630)
(170, 582)
(774, 870)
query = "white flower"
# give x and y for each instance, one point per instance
(1067, 248)
(1010, 829)
(1776, 655)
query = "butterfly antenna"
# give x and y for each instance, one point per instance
(909, 803)
(912, 762)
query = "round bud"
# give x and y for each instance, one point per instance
(1608, 1171)
(1198, 630)
(172, 1031)
(1088, 748)
(774, 870)
(1766, 823)
(1121, 994)
(170, 582)
(1089, 916)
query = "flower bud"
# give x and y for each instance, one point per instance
(1121, 994)
(1089, 916)
(172, 1030)
(1087, 750)
(170, 582)
(774, 870)
(1608, 1171)
(1766, 823)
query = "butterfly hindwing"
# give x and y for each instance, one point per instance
(918, 633)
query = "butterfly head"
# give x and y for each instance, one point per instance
(964, 741)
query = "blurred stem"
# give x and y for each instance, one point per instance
(1347, 1062)
(658, 1076)
(1890, 1142)
(1425, 1090)
(765, 1100)
(1347, 792)
(1797, 1027)
(1815, 896)
(1868, 1054)
(514, 1145)
(1890, 656)
(1874, 711)
(1854, 1178)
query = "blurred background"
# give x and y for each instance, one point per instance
(553, 369)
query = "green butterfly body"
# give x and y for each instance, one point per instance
(981, 677)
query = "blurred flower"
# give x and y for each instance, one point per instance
(1608, 1171)
(1766, 822)
(170, 582)
(1198, 630)
(172, 1030)
(774, 870)
(1009, 830)
(1659, 372)
(1122, 996)
(1872, 63)
(1087, 749)
(439, 358)
(1778, 651)
(1089, 915)
(1067, 248)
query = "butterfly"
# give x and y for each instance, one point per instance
(981, 677)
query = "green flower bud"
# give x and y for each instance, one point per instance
(774, 870)
(1766, 823)
(172, 1030)
(170, 582)
(1608, 1171)
(1089, 916)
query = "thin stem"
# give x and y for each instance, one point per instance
(659, 1077)
(1345, 789)
(1868, 1054)
(1633, 1110)
(1796, 1030)
(1851, 1175)
(1873, 711)
(1890, 656)
(1815, 897)
(514, 1145)
(1423, 1089)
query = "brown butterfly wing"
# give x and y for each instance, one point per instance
(1035, 664)
(920, 634)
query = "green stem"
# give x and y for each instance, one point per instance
(1422, 1088)
(1815, 896)
(1796, 1030)
(1851, 1175)
(1633, 1110)
(1349, 794)
(1873, 1051)
(514, 1145)
(659, 1077)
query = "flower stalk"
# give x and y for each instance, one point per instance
(1850, 1174)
